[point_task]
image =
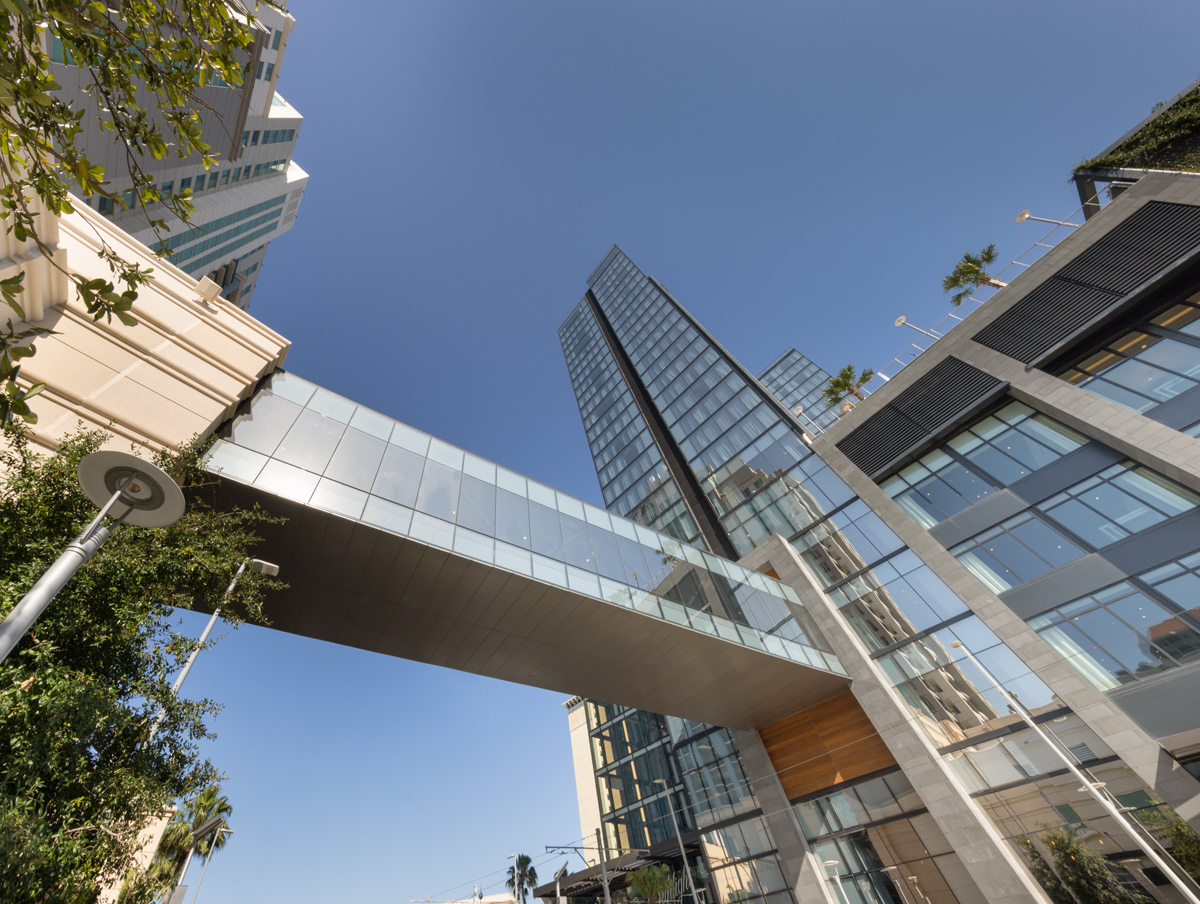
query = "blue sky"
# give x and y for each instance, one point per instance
(794, 174)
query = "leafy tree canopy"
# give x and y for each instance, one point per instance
(130, 51)
(78, 780)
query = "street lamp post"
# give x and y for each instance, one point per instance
(142, 494)
(1093, 788)
(255, 565)
(603, 867)
(837, 877)
(198, 833)
(903, 321)
(513, 858)
(678, 837)
(207, 860)
(1026, 215)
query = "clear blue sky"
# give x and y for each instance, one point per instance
(796, 174)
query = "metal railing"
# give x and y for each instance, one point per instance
(952, 318)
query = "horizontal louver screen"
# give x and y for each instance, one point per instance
(937, 399)
(1096, 281)
(1044, 318)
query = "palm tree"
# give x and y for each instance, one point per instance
(650, 883)
(177, 837)
(845, 384)
(969, 274)
(522, 878)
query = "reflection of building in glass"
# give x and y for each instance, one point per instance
(950, 508)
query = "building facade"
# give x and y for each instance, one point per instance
(250, 198)
(1027, 489)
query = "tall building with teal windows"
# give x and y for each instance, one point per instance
(249, 198)
(977, 513)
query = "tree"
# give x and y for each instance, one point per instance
(845, 384)
(177, 837)
(650, 882)
(1085, 872)
(163, 51)
(78, 777)
(522, 878)
(969, 274)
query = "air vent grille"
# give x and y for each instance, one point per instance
(937, 399)
(1096, 282)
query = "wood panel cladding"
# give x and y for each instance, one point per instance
(823, 745)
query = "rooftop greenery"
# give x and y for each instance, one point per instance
(1169, 141)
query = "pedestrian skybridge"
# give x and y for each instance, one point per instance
(399, 543)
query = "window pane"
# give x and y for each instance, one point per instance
(477, 505)
(399, 476)
(512, 518)
(438, 495)
(356, 460)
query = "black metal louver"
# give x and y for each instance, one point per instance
(1096, 281)
(1044, 318)
(935, 400)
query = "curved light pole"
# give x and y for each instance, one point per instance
(258, 565)
(678, 837)
(1026, 215)
(903, 321)
(133, 490)
(1095, 789)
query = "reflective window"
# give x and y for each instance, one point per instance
(895, 600)
(1118, 502)
(1015, 551)
(1122, 633)
(1146, 366)
(1018, 756)
(947, 690)
(994, 452)
(846, 542)
(899, 848)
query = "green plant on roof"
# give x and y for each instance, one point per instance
(1170, 141)
(844, 385)
(970, 274)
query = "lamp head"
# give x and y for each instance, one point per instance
(957, 643)
(207, 828)
(1023, 216)
(152, 498)
(268, 568)
(901, 320)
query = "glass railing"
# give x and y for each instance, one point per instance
(304, 443)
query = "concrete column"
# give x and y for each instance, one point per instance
(988, 859)
(800, 866)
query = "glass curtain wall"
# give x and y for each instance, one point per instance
(797, 382)
(1155, 361)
